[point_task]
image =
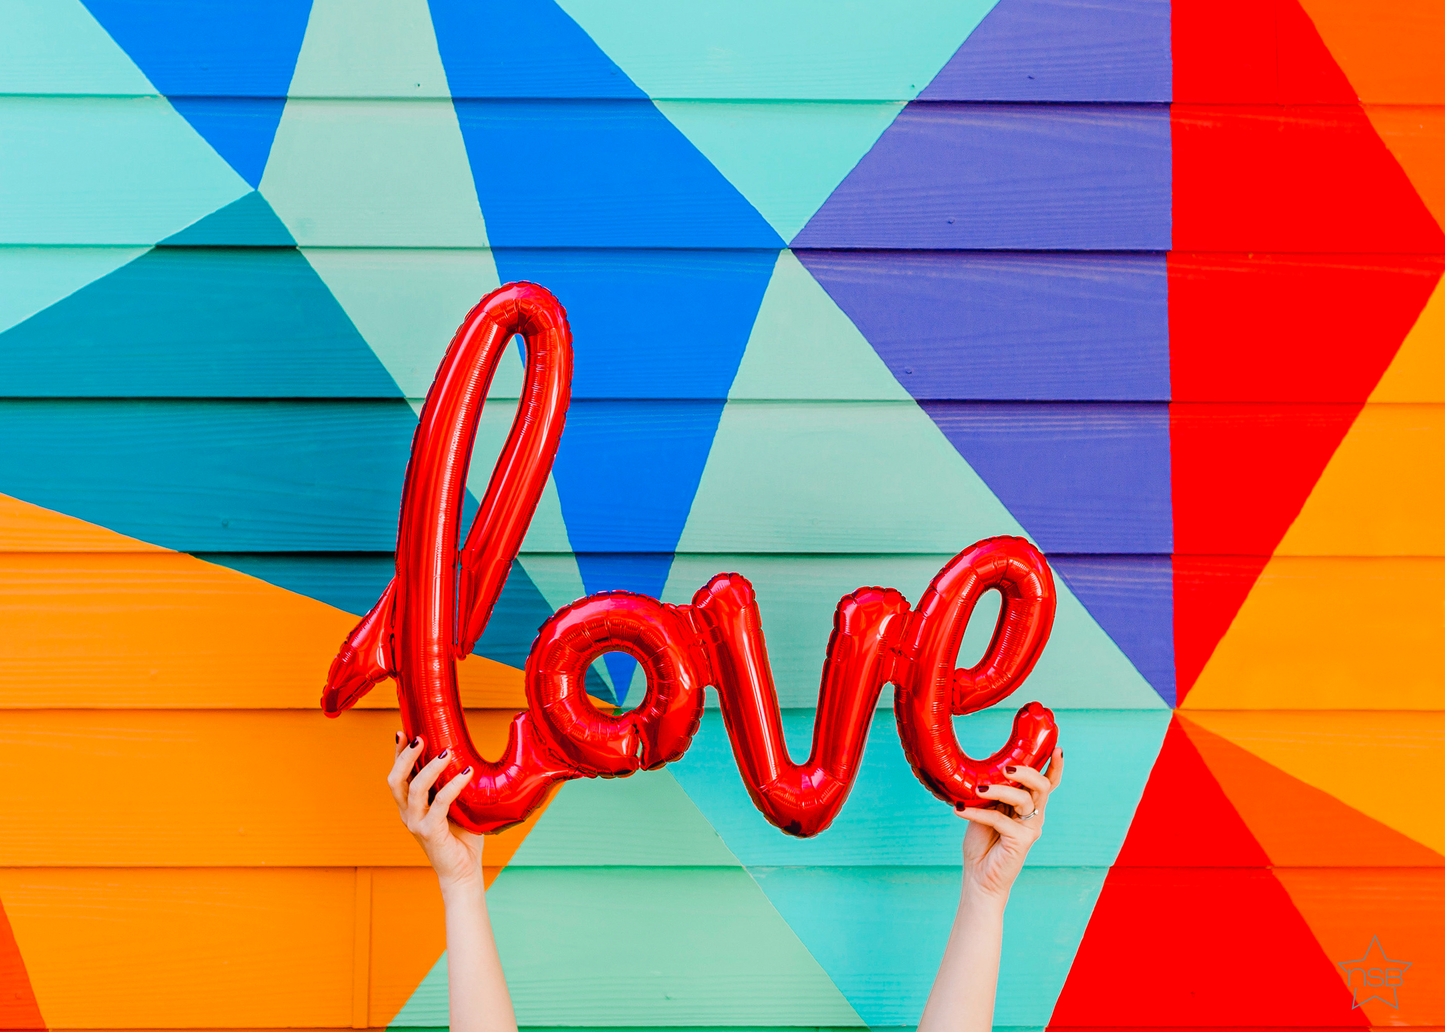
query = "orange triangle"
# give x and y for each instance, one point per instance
(1297, 824)
(1401, 908)
(29, 528)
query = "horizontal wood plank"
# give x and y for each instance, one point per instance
(1258, 179)
(222, 948)
(156, 630)
(258, 788)
(947, 176)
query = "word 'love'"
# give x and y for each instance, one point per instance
(440, 600)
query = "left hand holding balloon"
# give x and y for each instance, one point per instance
(995, 846)
(454, 853)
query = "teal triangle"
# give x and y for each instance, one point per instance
(196, 322)
(247, 222)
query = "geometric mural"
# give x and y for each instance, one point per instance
(1157, 286)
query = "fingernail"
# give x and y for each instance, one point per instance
(416, 741)
(444, 754)
(983, 788)
(1009, 770)
(467, 771)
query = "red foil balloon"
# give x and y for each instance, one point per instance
(439, 603)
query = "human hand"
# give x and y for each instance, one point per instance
(455, 854)
(998, 840)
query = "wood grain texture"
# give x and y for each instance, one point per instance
(1333, 633)
(946, 176)
(138, 948)
(269, 788)
(1311, 179)
(157, 630)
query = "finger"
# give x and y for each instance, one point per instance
(1006, 826)
(400, 743)
(418, 800)
(1029, 778)
(447, 795)
(1018, 798)
(1056, 768)
(397, 779)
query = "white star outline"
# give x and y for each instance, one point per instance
(1375, 994)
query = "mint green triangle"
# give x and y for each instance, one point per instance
(629, 867)
(853, 493)
(646, 819)
(57, 47)
(37, 277)
(369, 48)
(248, 222)
(803, 346)
(407, 304)
(764, 50)
(372, 172)
(785, 157)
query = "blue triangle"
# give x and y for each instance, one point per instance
(643, 573)
(1132, 597)
(196, 322)
(546, 53)
(226, 66)
(241, 129)
(1062, 50)
(554, 172)
(647, 396)
(247, 222)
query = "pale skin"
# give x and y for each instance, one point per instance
(962, 998)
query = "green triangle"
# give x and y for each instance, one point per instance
(369, 48)
(763, 50)
(803, 346)
(57, 47)
(407, 304)
(785, 157)
(37, 277)
(703, 946)
(372, 172)
(248, 222)
(646, 819)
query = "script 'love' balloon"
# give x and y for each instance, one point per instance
(439, 602)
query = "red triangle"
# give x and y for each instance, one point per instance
(1203, 947)
(18, 1009)
(1183, 818)
(1308, 73)
(1297, 824)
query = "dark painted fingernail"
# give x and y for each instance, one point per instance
(444, 754)
(983, 788)
(416, 741)
(1009, 770)
(467, 771)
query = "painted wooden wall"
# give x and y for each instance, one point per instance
(1154, 285)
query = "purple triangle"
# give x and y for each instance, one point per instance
(1132, 598)
(1012, 176)
(1077, 50)
(1004, 327)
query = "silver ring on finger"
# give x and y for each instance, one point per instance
(1030, 815)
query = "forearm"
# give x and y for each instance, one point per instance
(477, 990)
(963, 992)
